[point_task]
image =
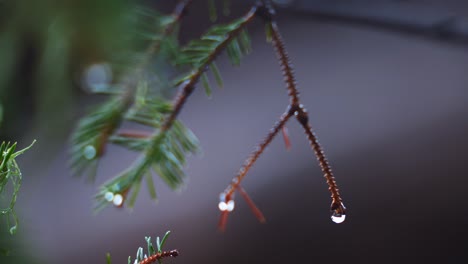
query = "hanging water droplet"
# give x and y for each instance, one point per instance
(109, 196)
(230, 205)
(222, 206)
(338, 212)
(89, 152)
(118, 200)
(338, 218)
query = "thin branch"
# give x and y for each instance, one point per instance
(227, 195)
(159, 256)
(287, 141)
(301, 112)
(128, 133)
(337, 205)
(252, 205)
(267, 13)
(286, 66)
(256, 153)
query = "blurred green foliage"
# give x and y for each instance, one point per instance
(43, 47)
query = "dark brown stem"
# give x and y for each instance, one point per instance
(129, 133)
(223, 221)
(303, 118)
(299, 110)
(287, 141)
(285, 63)
(188, 86)
(158, 256)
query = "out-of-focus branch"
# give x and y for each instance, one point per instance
(403, 17)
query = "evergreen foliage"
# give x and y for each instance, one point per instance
(153, 254)
(138, 99)
(10, 182)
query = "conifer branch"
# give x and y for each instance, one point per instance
(153, 254)
(164, 150)
(92, 134)
(267, 13)
(130, 82)
(220, 43)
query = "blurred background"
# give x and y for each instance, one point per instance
(385, 85)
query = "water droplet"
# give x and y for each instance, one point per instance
(222, 197)
(118, 200)
(89, 152)
(97, 77)
(109, 196)
(222, 206)
(337, 217)
(230, 205)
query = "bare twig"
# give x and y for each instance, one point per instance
(267, 13)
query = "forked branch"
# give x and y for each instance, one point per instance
(267, 13)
